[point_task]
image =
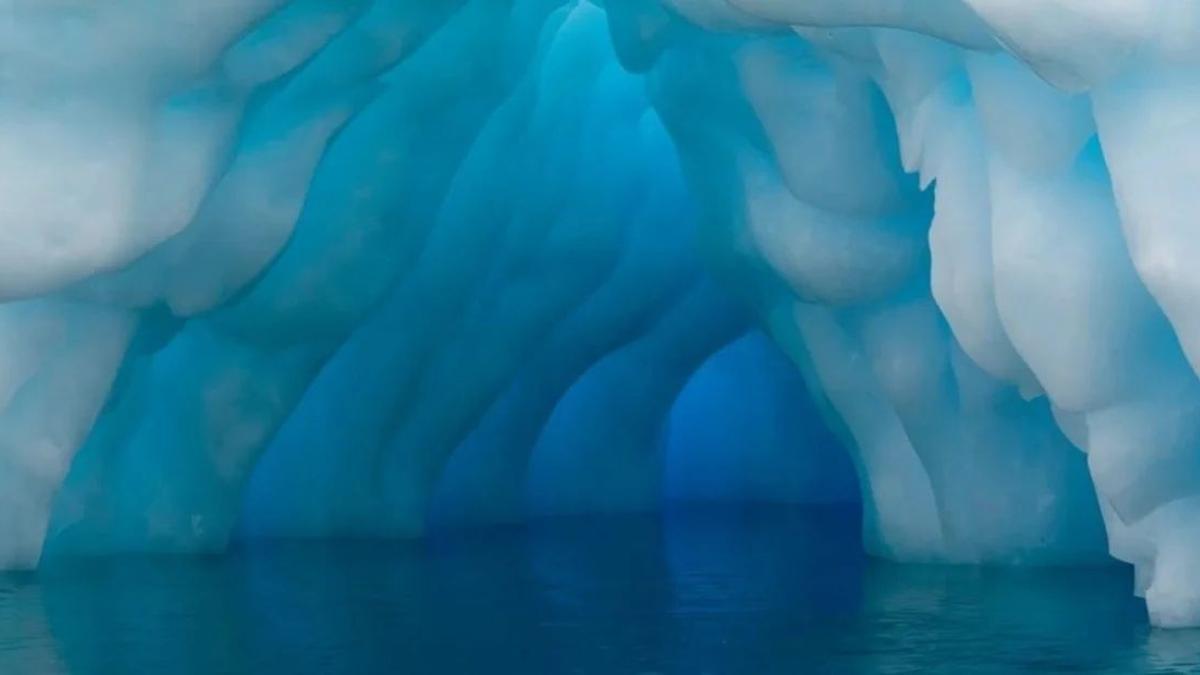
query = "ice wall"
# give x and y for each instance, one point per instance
(1051, 307)
(318, 267)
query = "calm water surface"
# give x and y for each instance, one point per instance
(737, 590)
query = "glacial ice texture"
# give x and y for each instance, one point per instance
(363, 267)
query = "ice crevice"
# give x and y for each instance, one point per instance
(313, 268)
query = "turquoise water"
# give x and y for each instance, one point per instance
(736, 590)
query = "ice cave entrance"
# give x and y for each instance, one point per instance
(308, 269)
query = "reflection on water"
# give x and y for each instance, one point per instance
(750, 590)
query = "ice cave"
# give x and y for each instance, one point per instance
(373, 269)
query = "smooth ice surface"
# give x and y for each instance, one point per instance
(326, 268)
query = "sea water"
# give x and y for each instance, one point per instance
(731, 589)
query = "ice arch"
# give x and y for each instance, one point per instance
(318, 267)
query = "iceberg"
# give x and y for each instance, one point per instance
(366, 267)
